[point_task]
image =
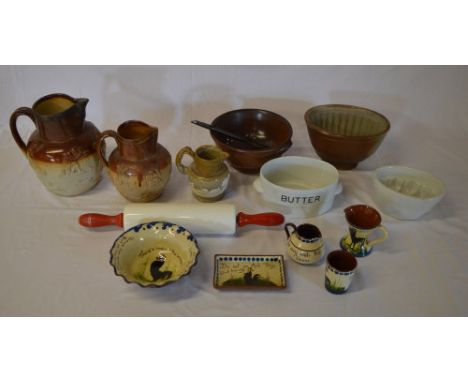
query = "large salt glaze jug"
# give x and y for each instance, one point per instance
(139, 167)
(62, 149)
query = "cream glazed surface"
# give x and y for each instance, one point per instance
(68, 178)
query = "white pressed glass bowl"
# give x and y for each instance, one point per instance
(406, 193)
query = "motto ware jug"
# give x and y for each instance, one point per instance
(362, 220)
(305, 243)
(62, 149)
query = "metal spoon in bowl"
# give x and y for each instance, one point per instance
(229, 134)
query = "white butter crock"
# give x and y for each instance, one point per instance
(302, 186)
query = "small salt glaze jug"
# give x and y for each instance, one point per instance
(62, 149)
(305, 243)
(208, 174)
(362, 220)
(139, 167)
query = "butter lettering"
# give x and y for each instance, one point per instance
(300, 199)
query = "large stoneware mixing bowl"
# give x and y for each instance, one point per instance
(345, 135)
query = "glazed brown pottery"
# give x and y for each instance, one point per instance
(362, 216)
(62, 149)
(139, 167)
(339, 271)
(208, 174)
(345, 135)
(256, 125)
(362, 220)
(305, 243)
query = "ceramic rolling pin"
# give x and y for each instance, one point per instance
(216, 219)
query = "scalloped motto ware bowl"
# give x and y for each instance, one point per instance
(154, 254)
(345, 135)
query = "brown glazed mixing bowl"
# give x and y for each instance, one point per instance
(261, 126)
(345, 135)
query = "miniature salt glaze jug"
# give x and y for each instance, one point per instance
(139, 166)
(305, 243)
(62, 149)
(208, 174)
(362, 220)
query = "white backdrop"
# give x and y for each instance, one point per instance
(51, 266)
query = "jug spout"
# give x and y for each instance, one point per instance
(348, 211)
(59, 117)
(219, 154)
(81, 103)
(137, 139)
(362, 216)
(223, 155)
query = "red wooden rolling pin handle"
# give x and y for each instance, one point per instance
(100, 220)
(265, 219)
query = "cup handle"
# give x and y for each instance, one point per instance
(258, 185)
(100, 145)
(339, 188)
(183, 151)
(286, 228)
(14, 129)
(380, 239)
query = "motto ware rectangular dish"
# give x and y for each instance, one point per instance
(249, 272)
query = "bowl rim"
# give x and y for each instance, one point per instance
(311, 125)
(152, 224)
(302, 191)
(411, 170)
(256, 150)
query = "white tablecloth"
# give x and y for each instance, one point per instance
(51, 266)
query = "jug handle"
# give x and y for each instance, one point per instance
(380, 239)
(104, 135)
(14, 129)
(183, 151)
(287, 230)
